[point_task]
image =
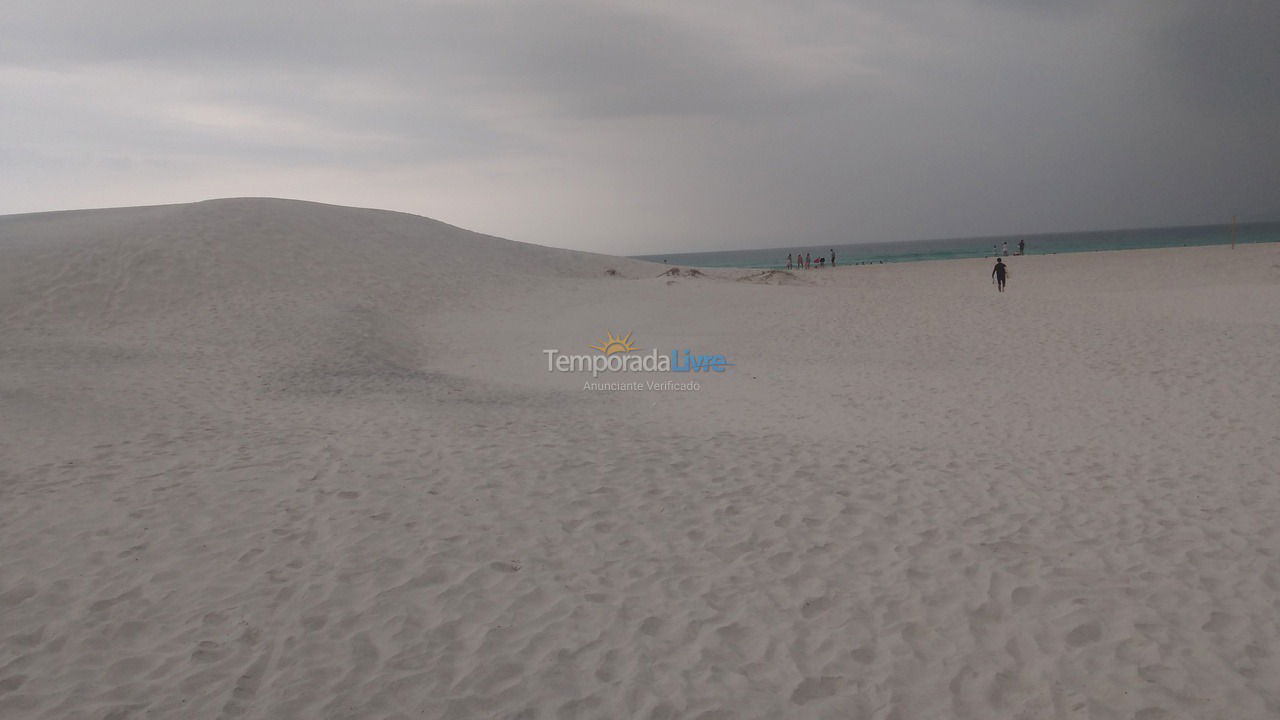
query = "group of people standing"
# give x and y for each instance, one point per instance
(806, 262)
(1022, 248)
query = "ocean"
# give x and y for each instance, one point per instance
(977, 247)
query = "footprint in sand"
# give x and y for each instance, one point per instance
(650, 626)
(1217, 622)
(207, 651)
(815, 689)
(1084, 634)
(815, 607)
(1022, 595)
(865, 655)
(12, 683)
(608, 668)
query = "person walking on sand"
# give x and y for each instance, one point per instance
(808, 261)
(1022, 247)
(998, 273)
(788, 261)
(1006, 248)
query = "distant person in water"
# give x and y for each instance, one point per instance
(1006, 248)
(833, 257)
(1022, 246)
(999, 272)
(788, 261)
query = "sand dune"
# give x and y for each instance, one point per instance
(274, 459)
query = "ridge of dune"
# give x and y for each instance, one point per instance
(121, 262)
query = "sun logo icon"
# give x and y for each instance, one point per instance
(613, 345)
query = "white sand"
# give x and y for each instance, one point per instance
(272, 459)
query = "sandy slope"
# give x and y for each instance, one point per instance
(273, 459)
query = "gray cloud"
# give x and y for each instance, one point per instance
(1224, 58)
(630, 126)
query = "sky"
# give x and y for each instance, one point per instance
(654, 126)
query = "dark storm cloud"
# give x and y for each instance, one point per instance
(1224, 58)
(657, 125)
(593, 58)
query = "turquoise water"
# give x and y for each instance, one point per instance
(1045, 244)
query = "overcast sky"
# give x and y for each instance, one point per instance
(652, 126)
